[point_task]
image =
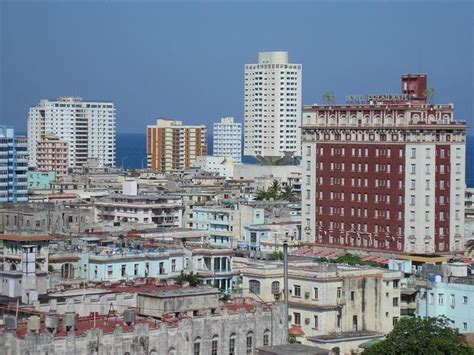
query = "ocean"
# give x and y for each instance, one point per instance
(131, 153)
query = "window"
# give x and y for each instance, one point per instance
(339, 292)
(394, 320)
(266, 337)
(214, 344)
(316, 293)
(432, 298)
(232, 344)
(297, 291)
(353, 295)
(464, 326)
(275, 287)
(197, 346)
(441, 299)
(110, 271)
(173, 265)
(395, 301)
(254, 286)
(316, 322)
(124, 272)
(464, 299)
(395, 283)
(249, 344)
(339, 321)
(453, 300)
(297, 318)
(135, 269)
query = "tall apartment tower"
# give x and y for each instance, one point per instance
(273, 109)
(13, 166)
(384, 173)
(52, 155)
(174, 146)
(87, 127)
(227, 136)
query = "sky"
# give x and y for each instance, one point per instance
(186, 60)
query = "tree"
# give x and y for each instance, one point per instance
(287, 194)
(428, 93)
(191, 278)
(430, 336)
(260, 195)
(328, 97)
(276, 255)
(470, 246)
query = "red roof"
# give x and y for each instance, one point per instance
(296, 330)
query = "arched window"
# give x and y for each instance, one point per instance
(214, 344)
(254, 286)
(232, 344)
(171, 351)
(266, 337)
(197, 346)
(336, 350)
(249, 343)
(275, 287)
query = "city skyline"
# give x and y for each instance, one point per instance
(144, 83)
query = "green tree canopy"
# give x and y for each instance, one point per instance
(276, 255)
(416, 336)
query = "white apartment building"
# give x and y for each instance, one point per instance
(273, 108)
(87, 127)
(228, 139)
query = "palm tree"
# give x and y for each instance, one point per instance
(287, 193)
(428, 93)
(470, 246)
(273, 190)
(328, 97)
(260, 195)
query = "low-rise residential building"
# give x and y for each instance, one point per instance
(158, 209)
(40, 180)
(214, 267)
(268, 237)
(226, 223)
(335, 307)
(450, 296)
(119, 264)
(219, 165)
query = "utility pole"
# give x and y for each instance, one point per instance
(285, 285)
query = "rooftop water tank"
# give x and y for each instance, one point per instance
(51, 321)
(69, 320)
(34, 324)
(129, 316)
(10, 322)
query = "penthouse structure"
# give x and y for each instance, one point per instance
(13, 166)
(384, 172)
(174, 146)
(88, 128)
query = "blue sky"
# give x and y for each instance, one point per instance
(186, 60)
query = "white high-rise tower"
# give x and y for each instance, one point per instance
(88, 128)
(273, 108)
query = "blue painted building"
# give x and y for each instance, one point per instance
(114, 266)
(13, 166)
(453, 298)
(226, 223)
(40, 179)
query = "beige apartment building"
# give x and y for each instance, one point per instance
(173, 146)
(335, 307)
(52, 155)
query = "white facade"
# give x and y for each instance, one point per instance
(222, 166)
(87, 127)
(228, 139)
(273, 108)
